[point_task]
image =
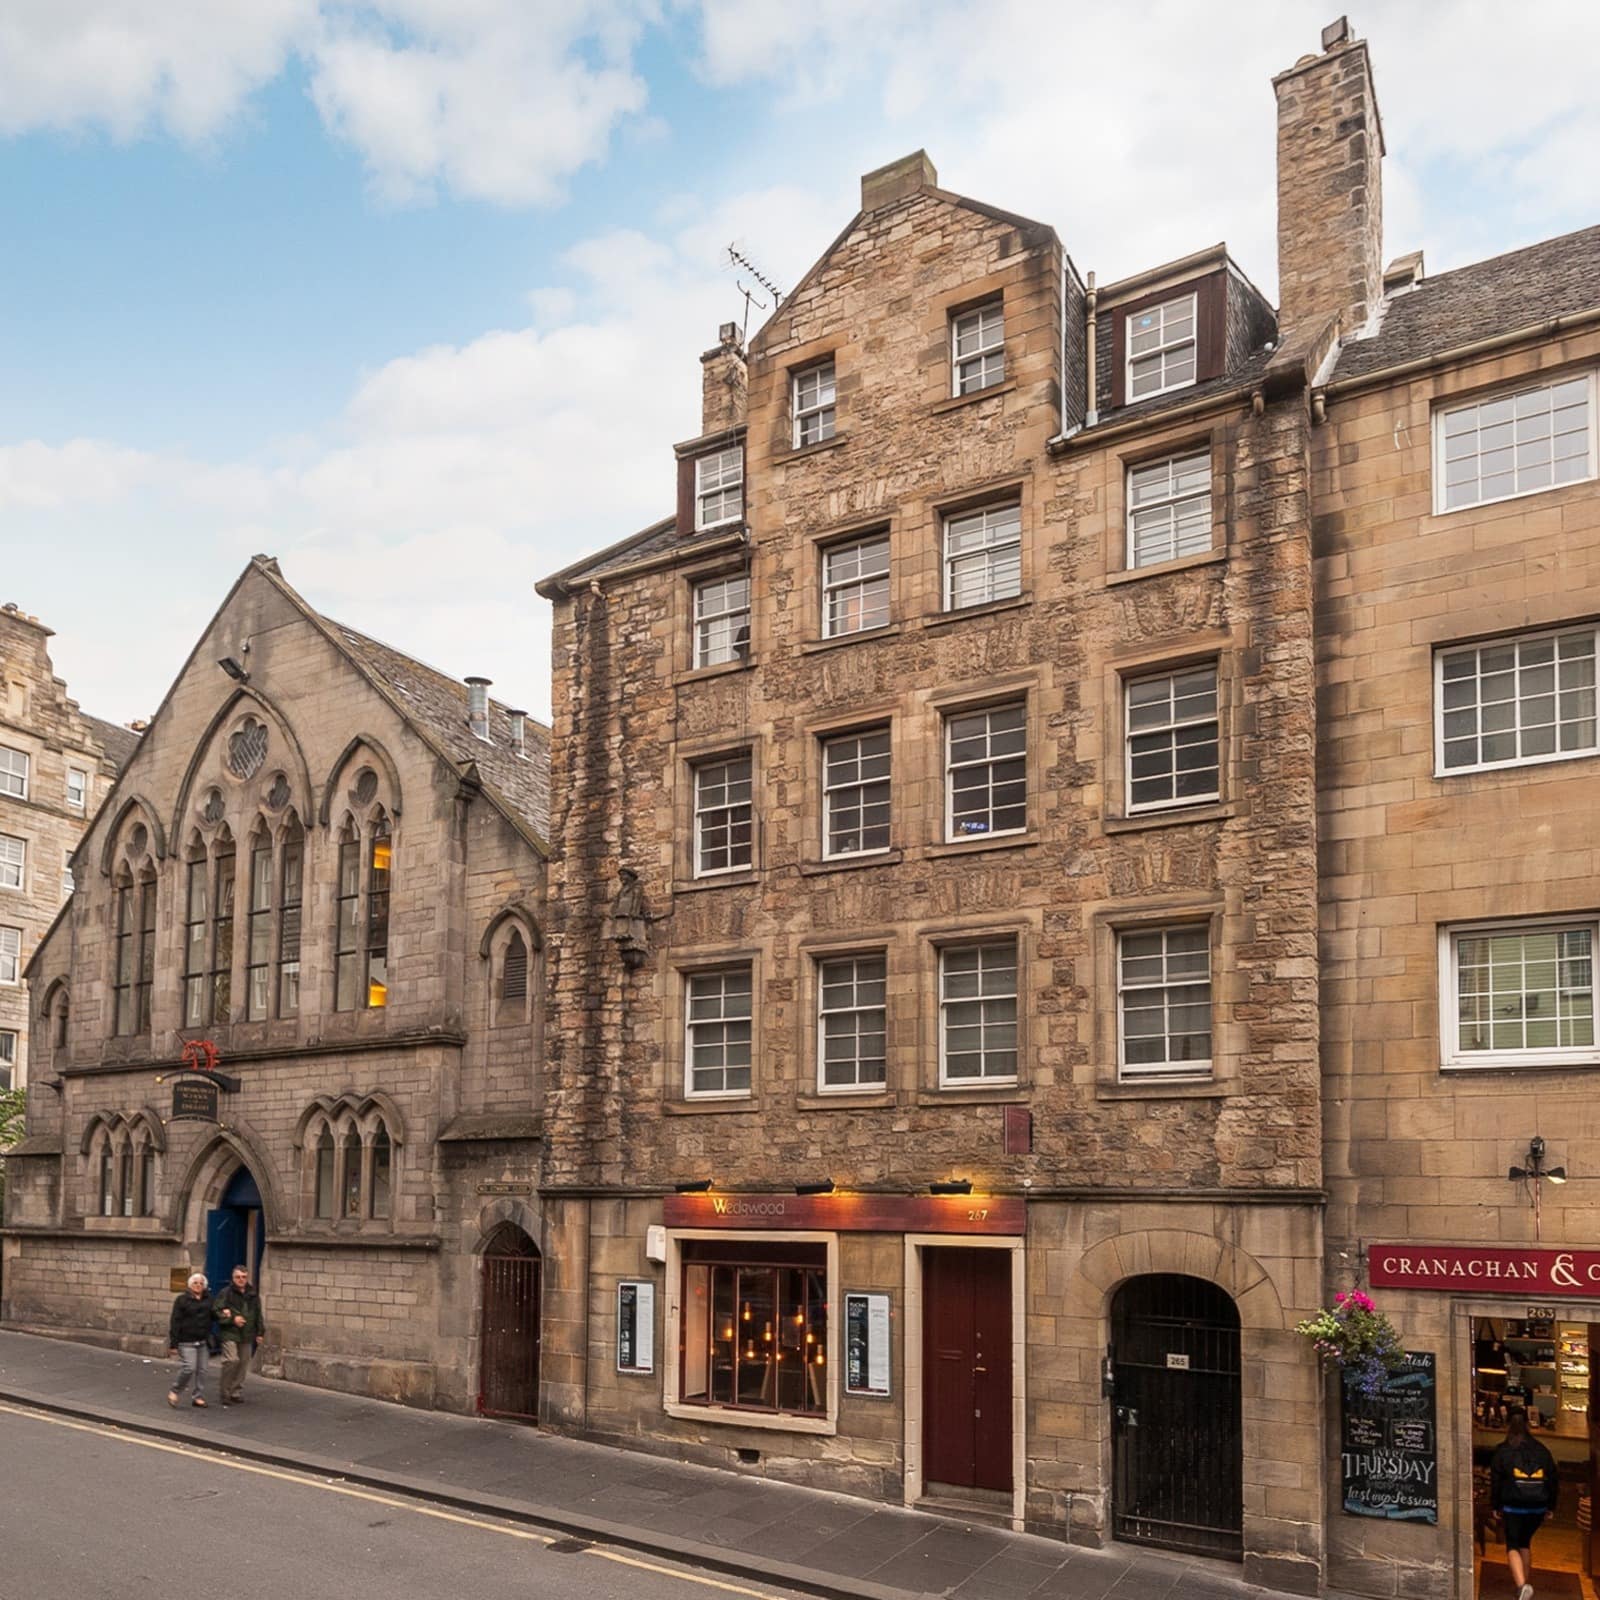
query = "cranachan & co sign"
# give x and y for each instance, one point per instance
(1486, 1269)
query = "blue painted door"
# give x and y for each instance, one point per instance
(225, 1244)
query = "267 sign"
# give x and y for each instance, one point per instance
(1486, 1269)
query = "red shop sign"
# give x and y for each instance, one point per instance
(851, 1213)
(1486, 1269)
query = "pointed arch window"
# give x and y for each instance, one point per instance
(108, 1193)
(291, 890)
(380, 870)
(350, 1199)
(147, 1180)
(125, 1195)
(258, 944)
(347, 906)
(382, 1171)
(323, 1199)
(514, 977)
(126, 959)
(59, 1021)
(196, 917)
(144, 982)
(222, 933)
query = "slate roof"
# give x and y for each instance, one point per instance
(1554, 278)
(119, 742)
(657, 539)
(438, 703)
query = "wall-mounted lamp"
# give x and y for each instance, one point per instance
(1536, 1174)
(233, 669)
(951, 1186)
(693, 1186)
(821, 1186)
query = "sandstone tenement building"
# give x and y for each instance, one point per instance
(56, 765)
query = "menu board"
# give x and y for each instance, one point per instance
(866, 1344)
(1389, 1445)
(636, 1327)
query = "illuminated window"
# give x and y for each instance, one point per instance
(379, 869)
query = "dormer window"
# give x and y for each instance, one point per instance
(719, 488)
(1161, 347)
(978, 348)
(814, 396)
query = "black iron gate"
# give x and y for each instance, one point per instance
(1177, 1441)
(509, 1356)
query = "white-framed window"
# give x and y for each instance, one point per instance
(8, 1058)
(722, 620)
(813, 404)
(1173, 739)
(724, 824)
(1514, 444)
(978, 1013)
(1161, 348)
(10, 956)
(978, 348)
(1516, 702)
(1169, 509)
(855, 793)
(1164, 1004)
(13, 861)
(982, 556)
(986, 771)
(68, 882)
(718, 1032)
(855, 586)
(852, 1023)
(13, 772)
(719, 488)
(1519, 993)
(77, 788)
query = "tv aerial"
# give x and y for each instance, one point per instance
(738, 259)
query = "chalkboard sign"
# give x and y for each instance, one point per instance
(866, 1344)
(1389, 1445)
(194, 1100)
(636, 1327)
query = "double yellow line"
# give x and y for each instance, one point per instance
(416, 1508)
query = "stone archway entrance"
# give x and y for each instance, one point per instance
(236, 1233)
(508, 1371)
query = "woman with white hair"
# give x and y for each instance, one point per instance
(189, 1335)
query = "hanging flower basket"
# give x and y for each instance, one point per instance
(1355, 1338)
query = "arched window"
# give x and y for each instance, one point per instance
(108, 1193)
(379, 873)
(514, 978)
(222, 931)
(258, 942)
(58, 1031)
(147, 1180)
(124, 1019)
(347, 903)
(196, 916)
(350, 1203)
(382, 1168)
(291, 889)
(125, 1195)
(324, 1174)
(147, 950)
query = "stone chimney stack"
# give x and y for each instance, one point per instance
(884, 185)
(723, 382)
(1330, 189)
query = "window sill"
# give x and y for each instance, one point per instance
(749, 1419)
(1205, 811)
(1452, 1069)
(726, 880)
(710, 1107)
(1207, 558)
(956, 401)
(981, 844)
(873, 1099)
(889, 630)
(720, 670)
(1206, 1089)
(800, 451)
(878, 858)
(946, 619)
(980, 1094)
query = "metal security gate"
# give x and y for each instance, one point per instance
(509, 1355)
(1177, 1435)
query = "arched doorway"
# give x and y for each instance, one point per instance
(235, 1230)
(508, 1366)
(1177, 1433)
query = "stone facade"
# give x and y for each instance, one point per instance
(315, 793)
(58, 766)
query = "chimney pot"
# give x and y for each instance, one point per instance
(518, 738)
(1337, 32)
(478, 707)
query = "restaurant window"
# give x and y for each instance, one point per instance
(755, 1326)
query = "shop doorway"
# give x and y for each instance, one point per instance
(1177, 1434)
(508, 1383)
(966, 1370)
(1544, 1365)
(235, 1235)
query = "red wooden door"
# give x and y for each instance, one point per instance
(966, 1355)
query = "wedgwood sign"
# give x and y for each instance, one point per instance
(1486, 1269)
(850, 1213)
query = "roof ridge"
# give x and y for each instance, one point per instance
(1433, 278)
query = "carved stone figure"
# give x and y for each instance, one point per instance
(628, 923)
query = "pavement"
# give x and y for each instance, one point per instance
(828, 1545)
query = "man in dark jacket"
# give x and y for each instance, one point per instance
(242, 1324)
(1523, 1485)
(188, 1335)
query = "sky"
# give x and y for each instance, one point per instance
(411, 293)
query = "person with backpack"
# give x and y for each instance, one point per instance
(1523, 1486)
